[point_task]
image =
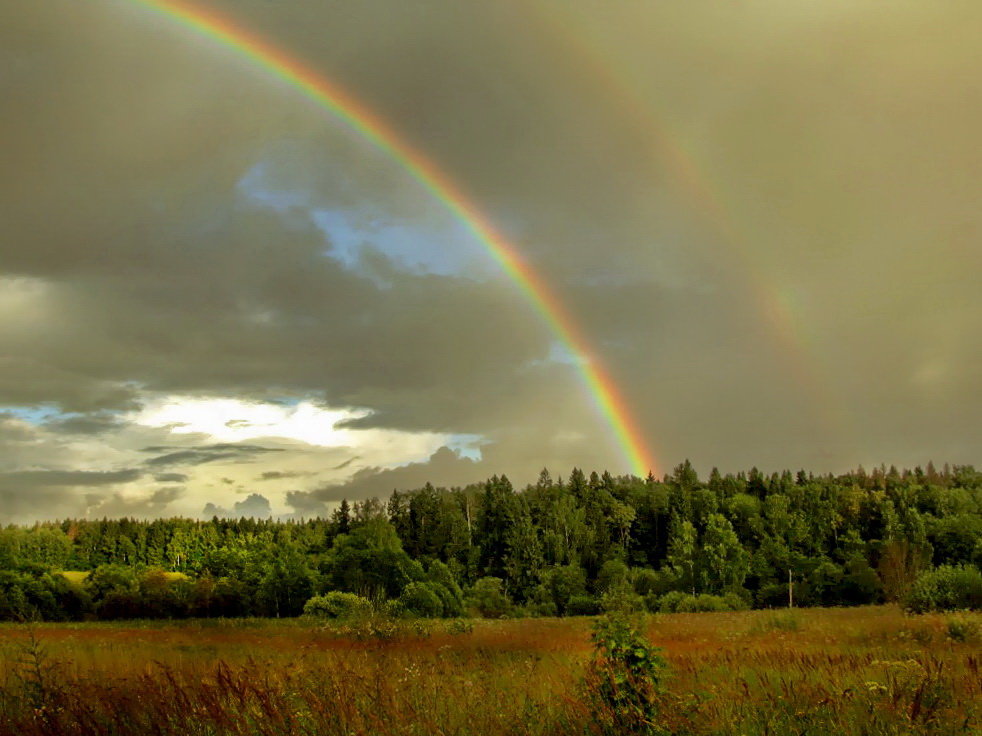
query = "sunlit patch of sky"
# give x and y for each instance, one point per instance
(467, 445)
(227, 419)
(37, 414)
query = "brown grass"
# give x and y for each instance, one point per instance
(836, 671)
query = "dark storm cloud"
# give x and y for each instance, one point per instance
(207, 454)
(86, 424)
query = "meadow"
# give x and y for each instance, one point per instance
(871, 670)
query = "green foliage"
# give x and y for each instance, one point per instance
(560, 584)
(583, 605)
(337, 605)
(677, 602)
(489, 599)
(371, 561)
(621, 597)
(859, 538)
(612, 574)
(946, 588)
(446, 588)
(422, 600)
(962, 628)
(623, 679)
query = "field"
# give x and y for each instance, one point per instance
(812, 671)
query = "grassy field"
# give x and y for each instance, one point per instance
(833, 671)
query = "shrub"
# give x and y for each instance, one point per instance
(623, 680)
(445, 586)
(422, 599)
(735, 602)
(701, 603)
(489, 599)
(561, 583)
(612, 574)
(668, 603)
(962, 628)
(860, 584)
(459, 626)
(582, 605)
(676, 602)
(542, 609)
(337, 605)
(621, 597)
(946, 588)
(647, 581)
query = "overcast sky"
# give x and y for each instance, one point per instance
(763, 216)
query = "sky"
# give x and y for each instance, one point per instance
(763, 218)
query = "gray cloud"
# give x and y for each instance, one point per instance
(47, 478)
(86, 424)
(145, 507)
(281, 474)
(763, 217)
(445, 464)
(170, 477)
(31, 494)
(206, 454)
(254, 506)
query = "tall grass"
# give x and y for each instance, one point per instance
(842, 671)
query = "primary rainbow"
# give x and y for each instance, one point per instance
(340, 103)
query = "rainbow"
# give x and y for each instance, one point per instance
(774, 304)
(332, 98)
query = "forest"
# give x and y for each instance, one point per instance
(558, 547)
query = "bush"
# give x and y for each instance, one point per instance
(422, 599)
(541, 609)
(613, 574)
(677, 602)
(962, 628)
(647, 581)
(621, 597)
(445, 586)
(337, 605)
(668, 603)
(560, 584)
(623, 680)
(582, 605)
(489, 599)
(946, 588)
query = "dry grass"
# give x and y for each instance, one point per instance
(838, 671)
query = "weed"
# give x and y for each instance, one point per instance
(623, 680)
(961, 628)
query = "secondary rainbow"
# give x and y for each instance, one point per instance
(331, 97)
(775, 305)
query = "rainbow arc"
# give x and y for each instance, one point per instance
(337, 101)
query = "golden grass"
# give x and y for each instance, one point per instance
(831, 671)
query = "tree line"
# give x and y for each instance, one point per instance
(556, 547)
